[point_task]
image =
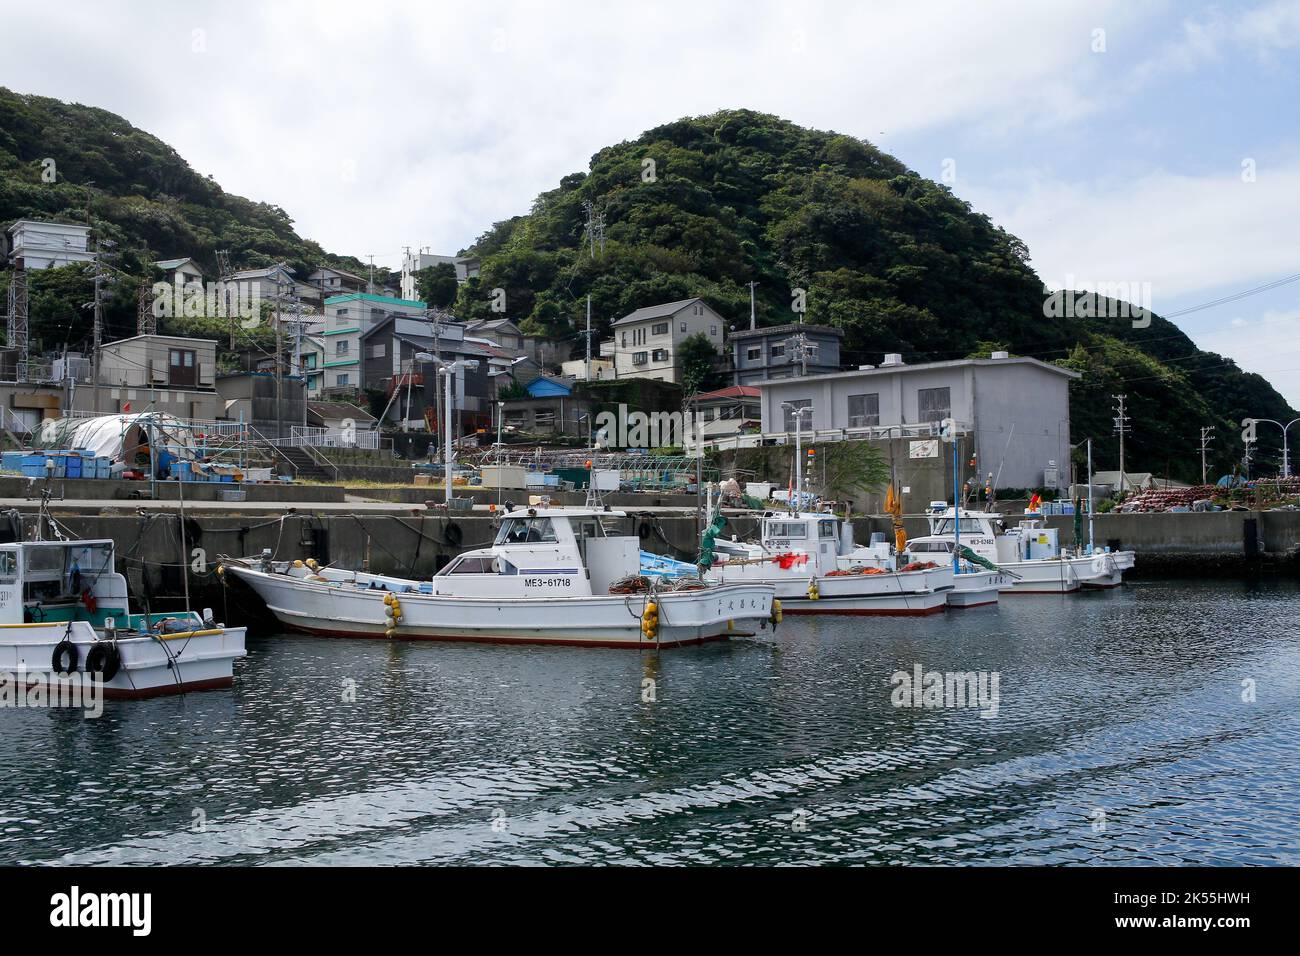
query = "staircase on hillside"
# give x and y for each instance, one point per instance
(304, 464)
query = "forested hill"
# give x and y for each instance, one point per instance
(142, 195)
(703, 205)
(700, 206)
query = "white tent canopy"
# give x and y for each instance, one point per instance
(118, 437)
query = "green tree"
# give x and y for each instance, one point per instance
(696, 361)
(437, 285)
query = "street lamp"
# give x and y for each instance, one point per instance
(1286, 448)
(447, 369)
(798, 411)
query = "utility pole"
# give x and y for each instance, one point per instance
(1121, 428)
(801, 350)
(223, 272)
(1207, 436)
(370, 282)
(753, 317)
(589, 337)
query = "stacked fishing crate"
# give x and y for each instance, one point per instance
(68, 463)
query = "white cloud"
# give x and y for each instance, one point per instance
(456, 115)
(1183, 234)
(1269, 345)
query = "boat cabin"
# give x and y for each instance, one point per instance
(986, 533)
(567, 552)
(44, 581)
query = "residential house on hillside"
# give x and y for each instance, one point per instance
(646, 342)
(331, 282)
(508, 336)
(782, 351)
(180, 272)
(42, 245)
(347, 318)
(727, 411)
(390, 352)
(553, 406)
(168, 373)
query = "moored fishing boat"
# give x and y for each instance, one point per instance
(65, 618)
(1029, 553)
(552, 576)
(798, 554)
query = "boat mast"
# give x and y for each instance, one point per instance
(1091, 546)
(956, 505)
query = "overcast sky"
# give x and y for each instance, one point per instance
(1123, 141)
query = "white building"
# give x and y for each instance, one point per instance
(646, 342)
(44, 244)
(467, 267)
(347, 318)
(1018, 410)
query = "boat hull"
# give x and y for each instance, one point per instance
(685, 617)
(1068, 575)
(153, 666)
(904, 593)
(977, 588)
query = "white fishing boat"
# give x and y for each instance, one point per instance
(799, 554)
(972, 585)
(65, 619)
(552, 576)
(1029, 553)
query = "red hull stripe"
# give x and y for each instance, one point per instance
(214, 683)
(481, 639)
(860, 612)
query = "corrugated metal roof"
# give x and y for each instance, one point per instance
(656, 311)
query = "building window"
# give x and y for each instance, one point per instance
(344, 379)
(778, 351)
(378, 350)
(713, 330)
(640, 358)
(754, 353)
(342, 312)
(310, 360)
(660, 355)
(864, 410)
(790, 414)
(341, 347)
(683, 326)
(659, 328)
(933, 404)
(624, 340)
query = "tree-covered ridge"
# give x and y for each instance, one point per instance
(138, 193)
(701, 206)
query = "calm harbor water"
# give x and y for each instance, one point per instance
(1121, 738)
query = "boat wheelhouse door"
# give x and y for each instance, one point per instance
(11, 588)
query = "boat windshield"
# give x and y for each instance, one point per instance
(787, 529)
(526, 531)
(968, 526)
(826, 528)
